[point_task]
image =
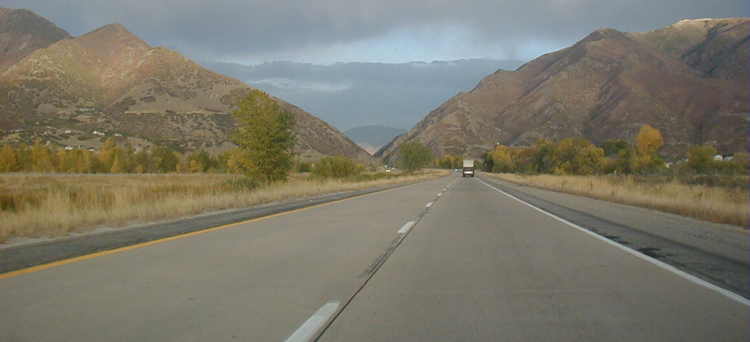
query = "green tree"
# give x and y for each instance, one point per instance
(613, 147)
(542, 155)
(448, 162)
(701, 159)
(143, 161)
(303, 167)
(199, 161)
(265, 137)
(414, 156)
(164, 159)
(336, 167)
(577, 156)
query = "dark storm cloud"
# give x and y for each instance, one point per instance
(203, 29)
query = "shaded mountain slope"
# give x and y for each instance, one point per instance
(23, 32)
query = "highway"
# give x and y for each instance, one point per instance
(452, 259)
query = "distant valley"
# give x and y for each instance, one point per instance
(372, 138)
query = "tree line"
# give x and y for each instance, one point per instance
(265, 152)
(578, 156)
(110, 158)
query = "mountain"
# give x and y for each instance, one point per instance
(23, 32)
(372, 138)
(689, 80)
(110, 83)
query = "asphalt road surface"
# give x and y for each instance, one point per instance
(453, 259)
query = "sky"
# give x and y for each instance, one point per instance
(327, 33)
(354, 94)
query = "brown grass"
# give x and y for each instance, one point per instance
(40, 205)
(716, 204)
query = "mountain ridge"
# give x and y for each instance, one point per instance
(111, 82)
(605, 87)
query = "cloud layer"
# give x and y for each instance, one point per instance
(349, 95)
(327, 31)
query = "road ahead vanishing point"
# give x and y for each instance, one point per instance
(452, 259)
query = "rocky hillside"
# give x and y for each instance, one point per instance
(23, 32)
(110, 83)
(689, 80)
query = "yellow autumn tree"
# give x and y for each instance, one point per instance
(647, 145)
(502, 159)
(648, 141)
(9, 160)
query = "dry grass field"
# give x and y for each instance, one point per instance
(43, 205)
(712, 203)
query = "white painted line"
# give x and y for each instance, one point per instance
(314, 323)
(429, 205)
(440, 194)
(658, 263)
(405, 229)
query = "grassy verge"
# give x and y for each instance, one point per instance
(712, 203)
(41, 205)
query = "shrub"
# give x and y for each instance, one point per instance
(414, 156)
(303, 167)
(336, 167)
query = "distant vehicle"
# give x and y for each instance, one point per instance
(468, 169)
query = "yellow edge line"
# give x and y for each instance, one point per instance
(127, 248)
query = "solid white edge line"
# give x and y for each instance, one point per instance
(653, 261)
(314, 323)
(405, 229)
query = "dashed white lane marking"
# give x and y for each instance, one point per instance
(429, 204)
(440, 194)
(405, 229)
(314, 323)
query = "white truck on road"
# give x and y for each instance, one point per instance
(468, 169)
